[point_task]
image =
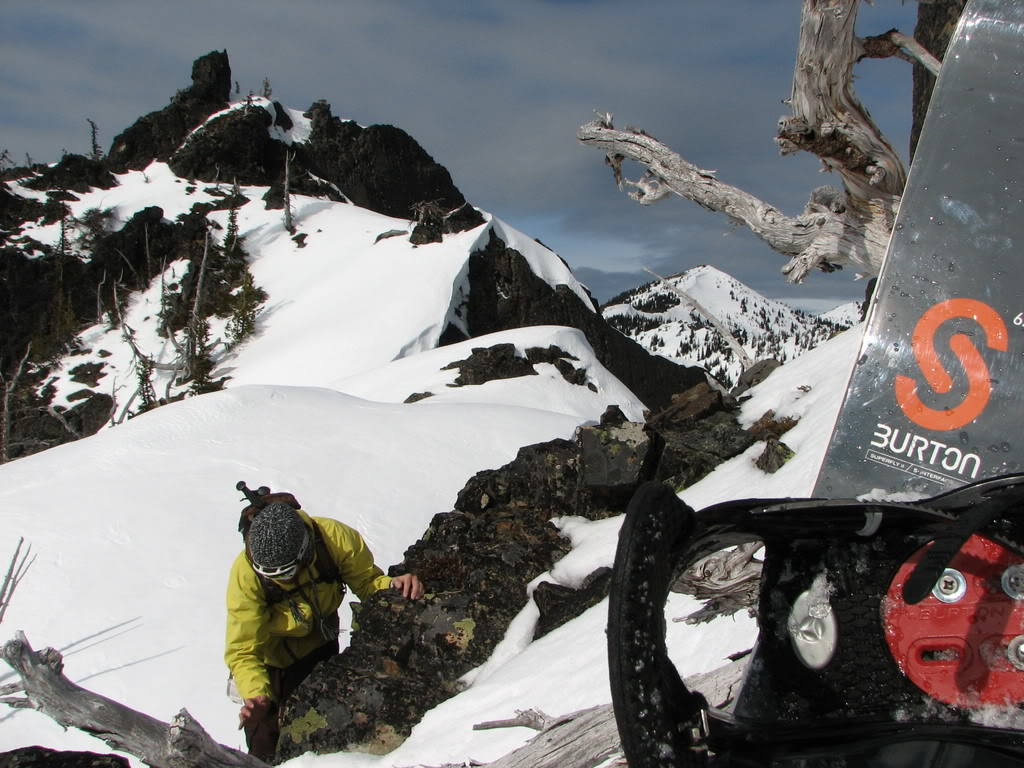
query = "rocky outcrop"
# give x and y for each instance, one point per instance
(39, 757)
(379, 167)
(235, 146)
(158, 135)
(500, 361)
(477, 560)
(700, 432)
(74, 173)
(505, 293)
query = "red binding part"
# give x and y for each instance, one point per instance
(960, 652)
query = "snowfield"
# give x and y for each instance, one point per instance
(133, 544)
(133, 529)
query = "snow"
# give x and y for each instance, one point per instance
(134, 528)
(134, 542)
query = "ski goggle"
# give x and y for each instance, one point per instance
(278, 572)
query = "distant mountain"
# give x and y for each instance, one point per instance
(662, 321)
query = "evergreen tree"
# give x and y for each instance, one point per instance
(94, 152)
(247, 307)
(200, 360)
(231, 236)
(144, 374)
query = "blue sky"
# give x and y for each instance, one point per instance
(493, 90)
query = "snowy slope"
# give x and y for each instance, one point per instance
(342, 304)
(663, 322)
(134, 543)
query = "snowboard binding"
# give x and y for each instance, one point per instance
(890, 633)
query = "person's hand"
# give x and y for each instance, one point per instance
(409, 585)
(253, 710)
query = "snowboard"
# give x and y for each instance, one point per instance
(936, 397)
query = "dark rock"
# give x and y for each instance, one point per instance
(211, 78)
(273, 198)
(234, 146)
(770, 426)
(281, 118)
(559, 604)
(776, 453)
(15, 210)
(542, 477)
(429, 228)
(692, 453)
(689, 407)
(612, 417)
(390, 233)
(463, 219)
(40, 757)
(505, 293)
(490, 364)
(158, 135)
(754, 375)
(75, 173)
(87, 373)
(501, 361)
(379, 167)
(415, 397)
(614, 461)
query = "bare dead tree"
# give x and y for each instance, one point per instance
(143, 362)
(850, 226)
(288, 223)
(7, 389)
(16, 571)
(182, 743)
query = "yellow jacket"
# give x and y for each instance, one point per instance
(261, 635)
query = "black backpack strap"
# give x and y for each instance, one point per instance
(328, 569)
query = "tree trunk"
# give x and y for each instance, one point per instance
(936, 22)
(182, 743)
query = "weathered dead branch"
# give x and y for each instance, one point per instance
(828, 121)
(727, 581)
(590, 737)
(182, 743)
(525, 718)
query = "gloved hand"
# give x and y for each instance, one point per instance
(254, 710)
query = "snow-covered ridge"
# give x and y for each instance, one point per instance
(341, 304)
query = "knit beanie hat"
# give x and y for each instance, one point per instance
(278, 536)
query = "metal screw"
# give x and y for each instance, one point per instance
(1013, 582)
(1015, 652)
(951, 586)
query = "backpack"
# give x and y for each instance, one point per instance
(258, 499)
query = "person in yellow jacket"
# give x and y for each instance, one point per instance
(283, 596)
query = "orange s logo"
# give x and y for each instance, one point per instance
(979, 384)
